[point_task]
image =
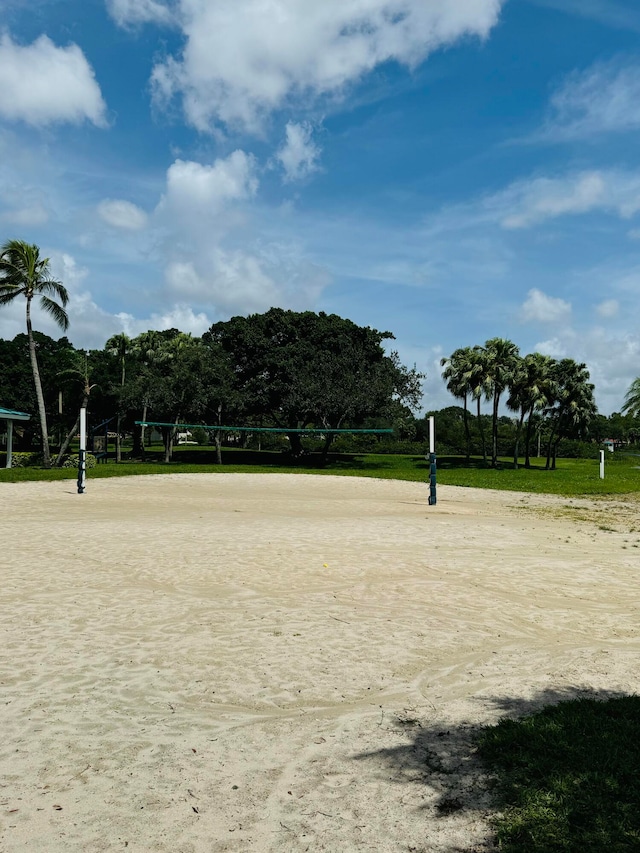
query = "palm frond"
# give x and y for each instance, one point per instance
(7, 295)
(56, 311)
(54, 288)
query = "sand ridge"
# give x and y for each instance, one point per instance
(287, 662)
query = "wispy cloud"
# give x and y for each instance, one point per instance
(299, 155)
(604, 98)
(611, 13)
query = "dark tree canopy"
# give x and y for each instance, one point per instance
(302, 368)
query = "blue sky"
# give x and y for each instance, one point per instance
(449, 170)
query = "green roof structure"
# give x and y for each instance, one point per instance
(11, 415)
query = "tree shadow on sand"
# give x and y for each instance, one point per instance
(557, 774)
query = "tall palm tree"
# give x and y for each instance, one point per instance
(530, 391)
(120, 346)
(480, 389)
(572, 407)
(457, 373)
(632, 399)
(501, 361)
(502, 357)
(79, 377)
(24, 273)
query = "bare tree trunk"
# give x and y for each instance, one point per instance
(118, 447)
(467, 432)
(481, 428)
(218, 438)
(119, 420)
(494, 432)
(46, 453)
(518, 434)
(169, 435)
(74, 429)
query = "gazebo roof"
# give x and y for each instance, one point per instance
(12, 415)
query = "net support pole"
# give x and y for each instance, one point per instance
(602, 464)
(432, 461)
(82, 455)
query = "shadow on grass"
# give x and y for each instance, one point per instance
(275, 459)
(558, 775)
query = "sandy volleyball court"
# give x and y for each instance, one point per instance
(289, 663)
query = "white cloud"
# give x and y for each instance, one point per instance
(530, 202)
(299, 155)
(197, 190)
(122, 214)
(245, 280)
(608, 308)
(213, 256)
(178, 316)
(541, 308)
(41, 84)
(603, 98)
(131, 12)
(245, 58)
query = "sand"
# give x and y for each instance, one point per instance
(289, 663)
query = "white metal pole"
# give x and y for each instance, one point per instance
(602, 464)
(82, 462)
(432, 461)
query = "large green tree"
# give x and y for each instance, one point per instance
(301, 368)
(23, 273)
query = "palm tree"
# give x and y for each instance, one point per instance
(632, 399)
(502, 358)
(78, 376)
(573, 406)
(480, 389)
(120, 346)
(530, 391)
(457, 373)
(24, 273)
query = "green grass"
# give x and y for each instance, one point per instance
(567, 778)
(572, 477)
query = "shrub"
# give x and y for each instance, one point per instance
(25, 460)
(73, 460)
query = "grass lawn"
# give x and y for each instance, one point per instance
(567, 778)
(572, 477)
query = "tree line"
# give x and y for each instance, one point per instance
(548, 393)
(285, 369)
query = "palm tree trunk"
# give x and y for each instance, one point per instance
(46, 453)
(527, 441)
(494, 432)
(74, 429)
(518, 434)
(217, 437)
(119, 420)
(481, 428)
(467, 433)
